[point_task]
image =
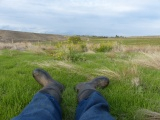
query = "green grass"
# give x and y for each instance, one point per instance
(18, 86)
(129, 41)
(141, 41)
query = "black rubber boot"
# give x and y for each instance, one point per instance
(85, 89)
(50, 86)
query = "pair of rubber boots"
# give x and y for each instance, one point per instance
(55, 89)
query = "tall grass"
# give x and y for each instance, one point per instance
(149, 60)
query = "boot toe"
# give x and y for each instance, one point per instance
(101, 82)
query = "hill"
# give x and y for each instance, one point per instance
(16, 36)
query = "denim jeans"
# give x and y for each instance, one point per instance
(45, 107)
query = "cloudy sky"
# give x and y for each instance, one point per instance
(82, 17)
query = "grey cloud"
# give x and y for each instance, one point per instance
(105, 17)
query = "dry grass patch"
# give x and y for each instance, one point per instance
(149, 60)
(111, 55)
(107, 72)
(92, 46)
(43, 64)
(65, 65)
(118, 48)
(146, 49)
(15, 46)
(144, 114)
(90, 52)
(54, 64)
(25, 46)
(131, 71)
(136, 48)
(135, 81)
(6, 46)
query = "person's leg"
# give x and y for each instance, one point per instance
(45, 105)
(92, 105)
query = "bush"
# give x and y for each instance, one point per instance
(75, 56)
(74, 39)
(70, 55)
(104, 48)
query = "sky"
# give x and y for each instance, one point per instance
(82, 17)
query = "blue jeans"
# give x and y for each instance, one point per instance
(45, 107)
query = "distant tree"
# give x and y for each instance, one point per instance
(117, 36)
(74, 39)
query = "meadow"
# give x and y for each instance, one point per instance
(131, 64)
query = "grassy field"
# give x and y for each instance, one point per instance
(133, 66)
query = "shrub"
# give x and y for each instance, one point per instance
(74, 55)
(104, 48)
(74, 39)
(59, 55)
(83, 48)
(69, 52)
(69, 55)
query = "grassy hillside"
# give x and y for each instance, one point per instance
(15, 36)
(133, 66)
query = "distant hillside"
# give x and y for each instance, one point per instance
(9, 36)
